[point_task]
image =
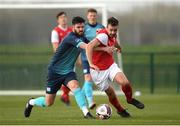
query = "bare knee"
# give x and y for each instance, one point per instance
(49, 103)
(73, 85)
(124, 83)
(50, 99)
(87, 77)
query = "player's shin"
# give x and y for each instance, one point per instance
(88, 90)
(127, 89)
(81, 101)
(114, 101)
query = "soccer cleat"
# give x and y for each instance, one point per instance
(92, 106)
(28, 108)
(124, 113)
(89, 116)
(65, 101)
(136, 103)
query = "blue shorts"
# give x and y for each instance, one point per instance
(86, 68)
(85, 64)
(54, 81)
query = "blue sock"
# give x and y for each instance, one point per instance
(80, 98)
(88, 90)
(40, 101)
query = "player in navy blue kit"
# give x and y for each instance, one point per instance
(61, 70)
(90, 30)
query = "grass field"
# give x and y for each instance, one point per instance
(159, 110)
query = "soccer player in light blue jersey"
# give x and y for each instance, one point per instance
(90, 30)
(61, 70)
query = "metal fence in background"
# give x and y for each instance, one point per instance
(148, 72)
(158, 72)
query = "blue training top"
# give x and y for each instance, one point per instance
(90, 34)
(66, 54)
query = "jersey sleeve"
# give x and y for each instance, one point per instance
(76, 42)
(54, 37)
(103, 38)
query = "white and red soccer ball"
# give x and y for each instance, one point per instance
(103, 111)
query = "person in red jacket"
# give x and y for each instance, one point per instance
(57, 35)
(104, 70)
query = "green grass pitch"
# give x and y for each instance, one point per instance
(159, 110)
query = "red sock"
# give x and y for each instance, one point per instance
(116, 104)
(127, 91)
(65, 94)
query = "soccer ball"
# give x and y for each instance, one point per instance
(103, 111)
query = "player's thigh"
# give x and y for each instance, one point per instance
(99, 76)
(72, 85)
(113, 70)
(54, 82)
(71, 81)
(121, 78)
(104, 85)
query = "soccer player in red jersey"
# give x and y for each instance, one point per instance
(57, 35)
(104, 70)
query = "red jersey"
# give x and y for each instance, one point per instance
(61, 33)
(103, 59)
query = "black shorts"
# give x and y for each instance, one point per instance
(54, 81)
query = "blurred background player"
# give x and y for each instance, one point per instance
(104, 70)
(91, 28)
(57, 35)
(61, 71)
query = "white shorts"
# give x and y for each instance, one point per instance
(103, 78)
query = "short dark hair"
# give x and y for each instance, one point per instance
(77, 20)
(91, 10)
(113, 21)
(61, 13)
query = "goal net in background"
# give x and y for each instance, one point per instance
(26, 26)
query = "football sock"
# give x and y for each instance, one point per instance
(65, 94)
(84, 110)
(127, 91)
(80, 99)
(114, 101)
(87, 89)
(40, 101)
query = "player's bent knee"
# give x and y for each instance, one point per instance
(88, 77)
(126, 83)
(48, 104)
(72, 85)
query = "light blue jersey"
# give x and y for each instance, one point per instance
(90, 30)
(90, 34)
